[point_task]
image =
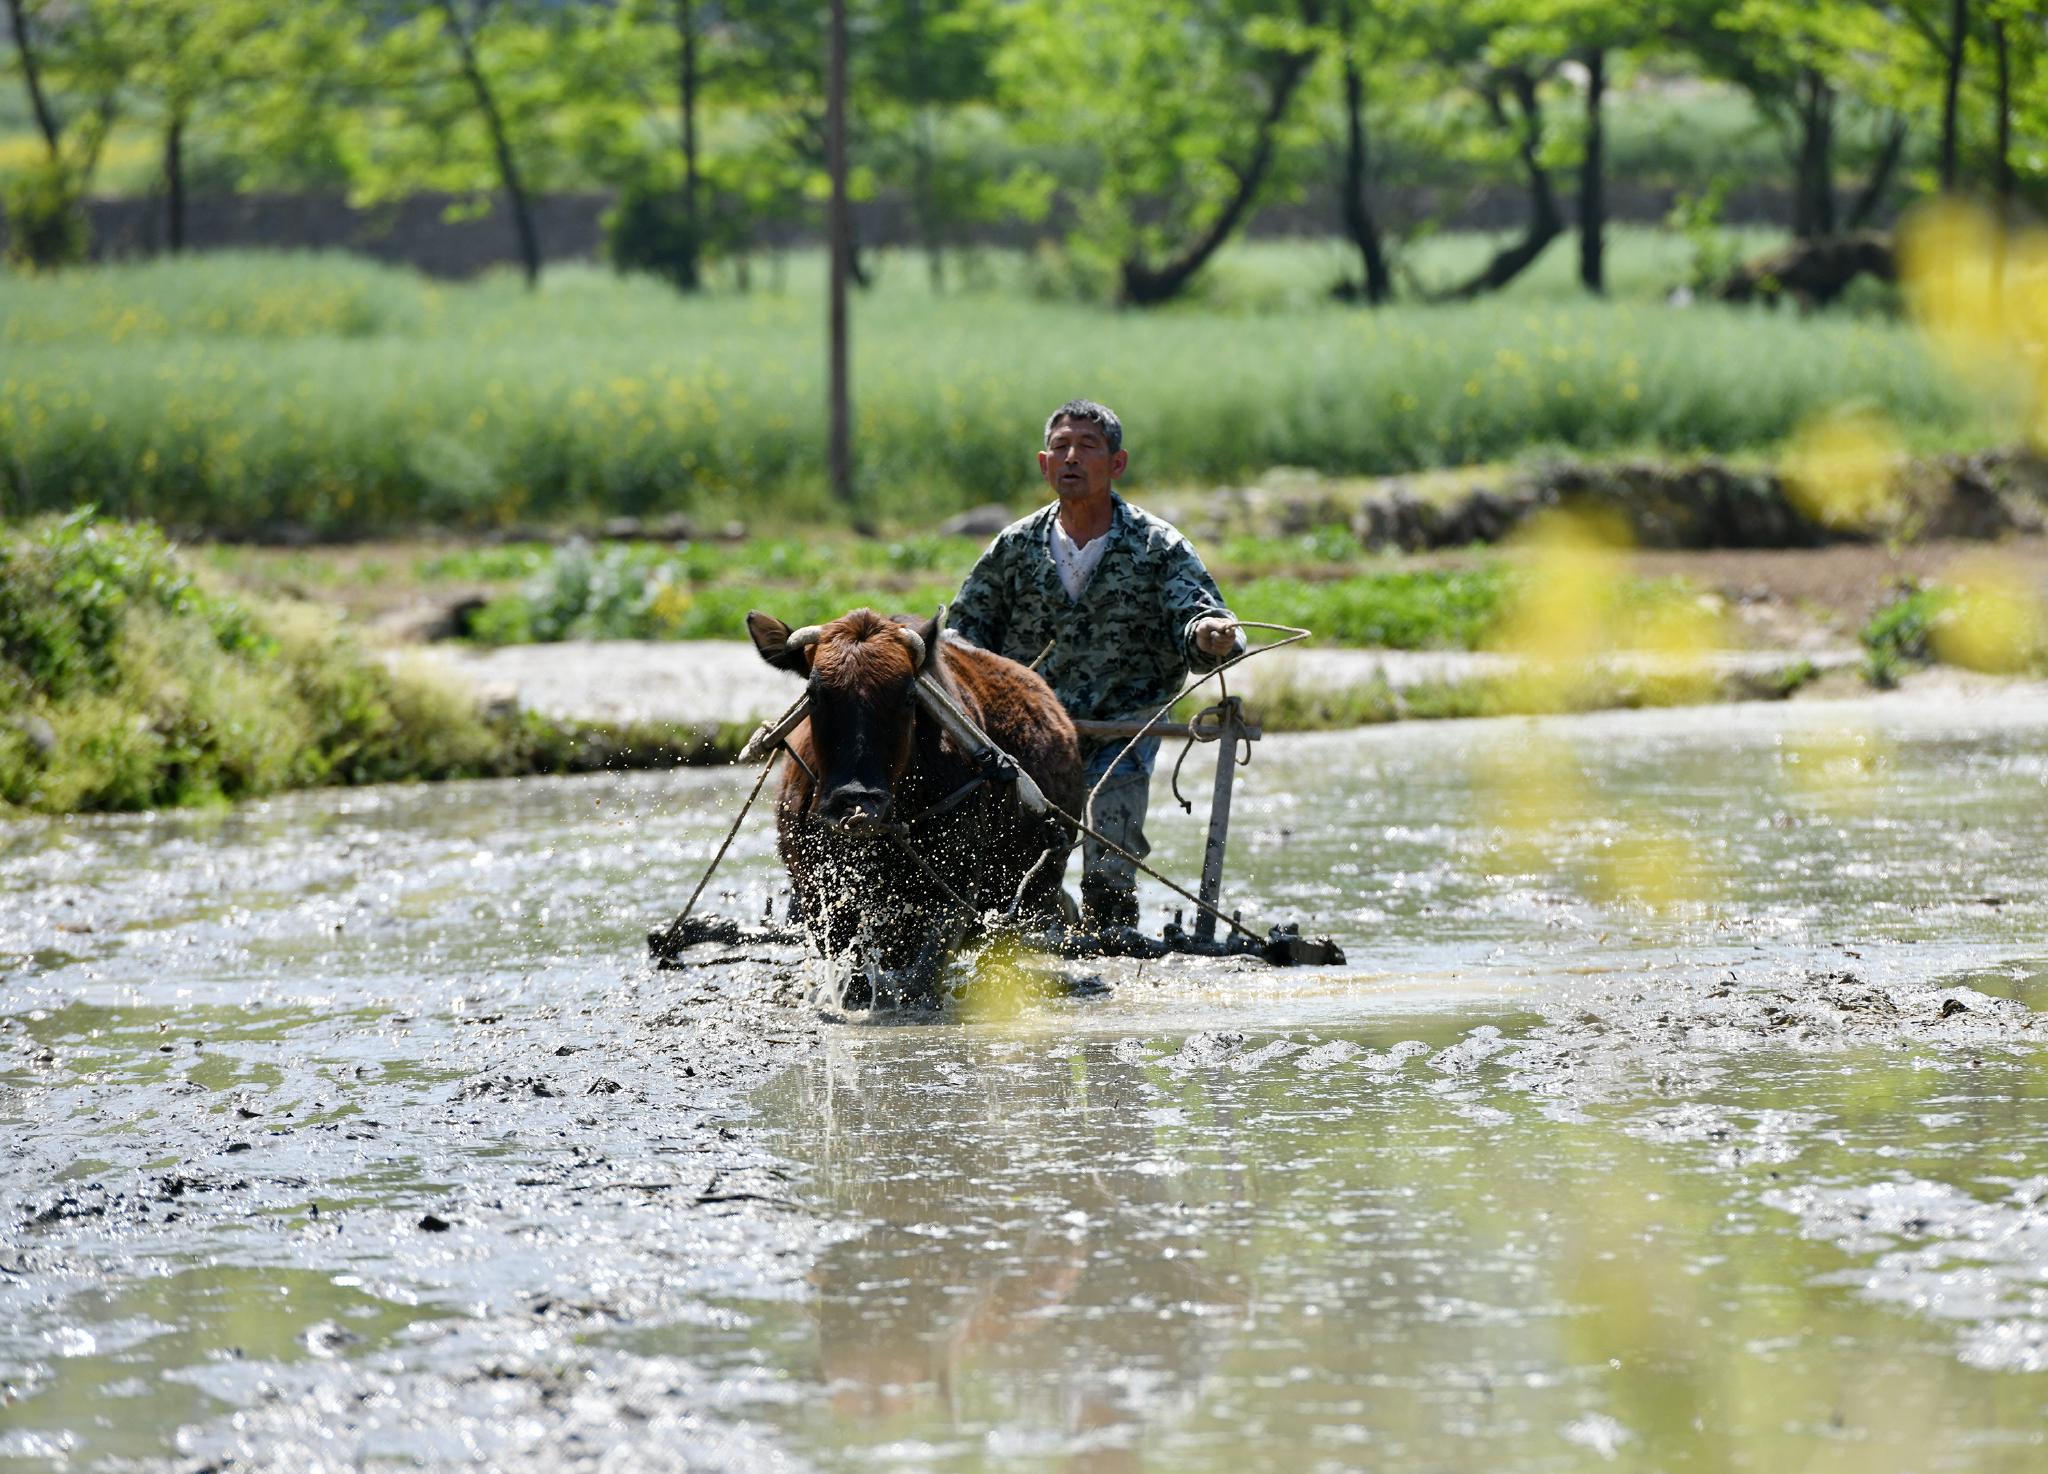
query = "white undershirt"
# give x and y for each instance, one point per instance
(1075, 562)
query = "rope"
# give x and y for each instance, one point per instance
(896, 832)
(675, 928)
(1295, 635)
(1242, 756)
(1230, 921)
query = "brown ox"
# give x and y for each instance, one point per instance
(894, 849)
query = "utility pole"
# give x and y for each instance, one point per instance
(839, 451)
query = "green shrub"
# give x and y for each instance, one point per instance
(1715, 251)
(45, 218)
(649, 229)
(124, 684)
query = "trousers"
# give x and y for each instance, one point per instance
(1108, 880)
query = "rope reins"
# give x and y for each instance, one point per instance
(774, 737)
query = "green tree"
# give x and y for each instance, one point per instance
(59, 50)
(1479, 49)
(917, 70)
(480, 96)
(72, 70)
(923, 64)
(1808, 65)
(178, 60)
(1596, 35)
(1372, 47)
(1183, 108)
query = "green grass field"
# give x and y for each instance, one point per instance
(238, 394)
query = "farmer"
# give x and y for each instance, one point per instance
(1115, 609)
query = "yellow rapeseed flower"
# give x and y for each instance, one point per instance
(1843, 470)
(1996, 622)
(1980, 294)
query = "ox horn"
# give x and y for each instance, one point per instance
(919, 655)
(958, 725)
(804, 638)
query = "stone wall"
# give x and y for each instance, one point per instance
(441, 235)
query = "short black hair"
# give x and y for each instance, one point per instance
(1100, 415)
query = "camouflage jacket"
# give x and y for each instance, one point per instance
(1120, 650)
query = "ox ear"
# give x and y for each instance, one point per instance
(929, 632)
(771, 637)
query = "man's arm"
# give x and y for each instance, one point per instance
(1192, 603)
(979, 613)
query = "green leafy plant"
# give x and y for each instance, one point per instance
(1900, 633)
(1696, 217)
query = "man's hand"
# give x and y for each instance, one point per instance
(1215, 636)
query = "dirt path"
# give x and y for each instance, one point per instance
(725, 681)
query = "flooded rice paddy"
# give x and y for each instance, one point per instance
(1682, 1107)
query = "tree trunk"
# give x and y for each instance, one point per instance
(928, 233)
(31, 74)
(1546, 223)
(686, 90)
(1145, 285)
(1359, 223)
(1952, 86)
(2002, 178)
(501, 146)
(839, 450)
(686, 29)
(1872, 195)
(1813, 196)
(174, 184)
(924, 201)
(1593, 178)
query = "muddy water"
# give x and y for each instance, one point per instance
(1682, 1106)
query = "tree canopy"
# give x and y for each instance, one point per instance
(1136, 135)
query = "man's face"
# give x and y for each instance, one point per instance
(1077, 462)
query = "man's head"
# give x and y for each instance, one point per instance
(1084, 450)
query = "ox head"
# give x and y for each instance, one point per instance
(860, 671)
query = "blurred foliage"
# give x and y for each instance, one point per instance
(1985, 614)
(649, 228)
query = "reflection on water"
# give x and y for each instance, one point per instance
(1102, 1254)
(137, 1359)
